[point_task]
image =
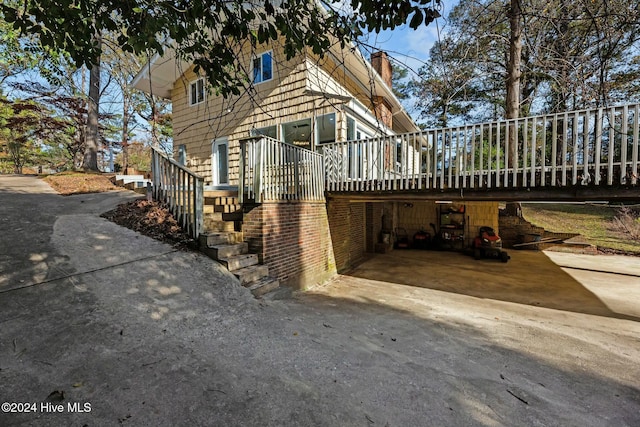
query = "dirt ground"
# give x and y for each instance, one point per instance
(149, 335)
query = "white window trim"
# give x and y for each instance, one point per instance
(360, 126)
(204, 92)
(366, 120)
(261, 66)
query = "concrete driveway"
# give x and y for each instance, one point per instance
(95, 317)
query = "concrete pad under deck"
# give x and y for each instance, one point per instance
(541, 279)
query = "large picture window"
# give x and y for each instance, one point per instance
(263, 67)
(298, 133)
(196, 92)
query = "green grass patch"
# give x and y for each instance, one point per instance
(594, 222)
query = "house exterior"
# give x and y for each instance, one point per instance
(310, 103)
(306, 101)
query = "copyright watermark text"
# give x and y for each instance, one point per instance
(45, 407)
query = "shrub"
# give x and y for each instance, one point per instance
(627, 221)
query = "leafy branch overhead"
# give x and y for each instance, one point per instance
(204, 31)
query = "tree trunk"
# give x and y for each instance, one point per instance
(512, 104)
(125, 138)
(90, 160)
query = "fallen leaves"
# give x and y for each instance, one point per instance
(150, 218)
(78, 183)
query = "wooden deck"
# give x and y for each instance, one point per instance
(578, 155)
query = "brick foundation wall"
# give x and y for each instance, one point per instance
(514, 230)
(338, 213)
(358, 232)
(293, 240)
(306, 243)
(348, 232)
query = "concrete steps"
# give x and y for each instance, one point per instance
(238, 262)
(264, 286)
(131, 181)
(251, 274)
(228, 249)
(221, 238)
(222, 211)
(212, 225)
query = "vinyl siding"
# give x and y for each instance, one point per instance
(287, 97)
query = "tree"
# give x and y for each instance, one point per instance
(25, 125)
(90, 159)
(203, 31)
(445, 85)
(13, 58)
(400, 87)
(139, 156)
(122, 67)
(67, 106)
(566, 55)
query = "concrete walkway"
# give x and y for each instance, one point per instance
(133, 332)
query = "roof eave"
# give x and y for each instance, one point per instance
(158, 76)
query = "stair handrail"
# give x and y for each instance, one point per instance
(181, 189)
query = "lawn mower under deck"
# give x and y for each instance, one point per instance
(488, 244)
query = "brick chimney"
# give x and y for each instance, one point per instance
(380, 62)
(382, 65)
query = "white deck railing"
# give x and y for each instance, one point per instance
(181, 189)
(587, 147)
(271, 170)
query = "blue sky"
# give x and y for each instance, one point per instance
(406, 46)
(411, 47)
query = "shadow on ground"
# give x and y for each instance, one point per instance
(189, 348)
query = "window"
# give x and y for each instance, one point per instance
(182, 154)
(326, 127)
(196, 92)
(263, 68)
(220, 161)
(270, 131)
(355, 131)
(351, 129)
(298, 133)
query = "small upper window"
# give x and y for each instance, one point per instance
(196, 92)
(263, 68)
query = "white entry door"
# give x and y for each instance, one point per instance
(220, 161)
